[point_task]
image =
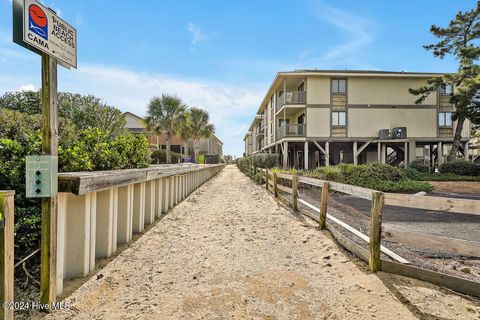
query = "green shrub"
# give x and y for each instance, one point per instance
(412, 174)
(258, 177)
(328, 173)
(401, 186)
(461, 168)
(370, 173)
(381, 177)
(79, 150)
(160, 156)
(266, 161)
(419, 165)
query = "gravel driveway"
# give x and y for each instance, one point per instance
(230, 251)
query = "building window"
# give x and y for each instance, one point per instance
(339, 85)
(339, 118)
(445, 119)
(282, 121)
(446, 89)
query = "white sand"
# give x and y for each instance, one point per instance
(229, 251)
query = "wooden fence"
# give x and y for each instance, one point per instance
(378, 200)
(6, 253)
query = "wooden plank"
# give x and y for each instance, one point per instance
(432, 242)
(284, 189)
(6, 253)
(295, 192)
(348, 244)
(81, 183)
(275, 185)
(451, 282)
(284, 176)
(48, 243)
(433, 203)
(356, 232)
(323, 206)
(360, 192)
(375, 231)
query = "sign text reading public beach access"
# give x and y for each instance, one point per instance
(44, 30)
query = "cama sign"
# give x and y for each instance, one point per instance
(39, 29)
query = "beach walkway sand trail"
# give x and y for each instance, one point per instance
(230, 251)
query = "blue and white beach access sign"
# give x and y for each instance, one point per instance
(45, 31)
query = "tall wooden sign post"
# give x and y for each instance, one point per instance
(49, 204)
(40, 30)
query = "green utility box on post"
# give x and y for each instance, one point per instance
(41, 176)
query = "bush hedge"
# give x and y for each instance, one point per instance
(419, 166)
(160, 156)
(266, 161)
(461, 168)
(382, 177)
(97, 144)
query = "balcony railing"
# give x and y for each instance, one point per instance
(291, 130)
(291, 97)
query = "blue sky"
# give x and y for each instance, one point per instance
(222, 55)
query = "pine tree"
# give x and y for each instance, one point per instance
(460, 40)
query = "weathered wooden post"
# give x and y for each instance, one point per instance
(294, 192)
(266, 179)
(275, 190)
(48, 272)
(322, 221)
(61, 46)
(375, 230)
(6, 253)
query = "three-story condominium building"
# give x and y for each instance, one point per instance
(319, 118)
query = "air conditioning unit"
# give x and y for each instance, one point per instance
(384, 134)
(399, 133)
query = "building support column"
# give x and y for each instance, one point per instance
(412, 146)
(355, 153)
(466, 156)
(384, 153)
(439, 153)
(285, 155)
(405, 155)
(305, 156)
(379, 152)
(327, 155)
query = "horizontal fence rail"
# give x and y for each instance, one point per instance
(378, 200)
(98, 210)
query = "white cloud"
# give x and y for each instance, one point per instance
(196, 33)
(230, 107)
(27, 87)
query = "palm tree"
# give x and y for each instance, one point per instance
(198, 127)
(164, 116)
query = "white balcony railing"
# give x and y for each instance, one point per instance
(291, 130)
(291, 97)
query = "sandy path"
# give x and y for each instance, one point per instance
(229, 251)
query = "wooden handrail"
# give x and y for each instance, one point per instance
(81, 183)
